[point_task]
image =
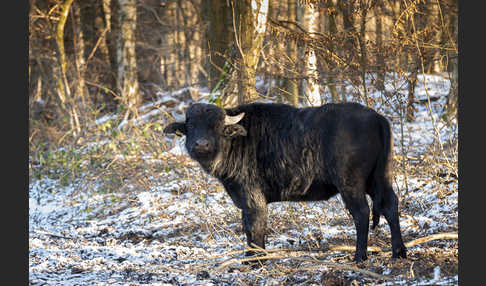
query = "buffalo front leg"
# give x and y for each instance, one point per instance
(255, 224)
(254, 219)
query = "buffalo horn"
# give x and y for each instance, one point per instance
(230, 120)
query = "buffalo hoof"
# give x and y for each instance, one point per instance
(400, 253)
(254, 262)
(360, 257)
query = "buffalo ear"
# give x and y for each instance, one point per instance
(234, 130)
(178, 128)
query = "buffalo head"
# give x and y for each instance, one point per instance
(207, 127)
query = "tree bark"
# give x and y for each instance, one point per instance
(311, 84)
(67, 102)
(450, 111)
(79, 51)
(194, 44)
(127, 62)
(380, 60)
(251, 23)
(362, 48)
(219, 37)
(331, 23)
(412, 83)
(291, 85)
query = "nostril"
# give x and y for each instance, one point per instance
(202, 144)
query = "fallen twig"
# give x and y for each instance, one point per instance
(446, 235)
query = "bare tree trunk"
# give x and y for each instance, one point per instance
(450, 110)
(180, 41)
(380, 60)
(112, 13)
(311, 85)
(79, 50)
(437, 16)
(127, 63)
(291, 85)
(165, 57)
(64, 90)
(218, 37)
(412, 83)
(194, 44)
(168, 59)
(332, 77)
(102, 24)
(67, 100)
(251, 23)
(362, 48)
(419, 57)
(346, 8)
(424, 16)
(273, 70)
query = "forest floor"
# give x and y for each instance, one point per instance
(131, 208)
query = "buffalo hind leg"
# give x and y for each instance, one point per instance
(390, 212)
(355, 202)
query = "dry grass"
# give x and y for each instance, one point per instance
(120, 164)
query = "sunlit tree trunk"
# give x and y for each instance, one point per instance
(450, 111)
(419, 56)
(79, 49)
(194, 45)
(127, 63)
(380, 60)
(67, 101)
(274, 50)
(362, 49)
(291, 85)
(311, 85)
(411, 83)
(332, 77)
(346, 9)
(251, 23)
(180, 42)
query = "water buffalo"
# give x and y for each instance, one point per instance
(264, 153)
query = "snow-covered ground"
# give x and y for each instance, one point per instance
(182, 229)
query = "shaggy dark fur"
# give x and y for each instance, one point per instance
(280, 153)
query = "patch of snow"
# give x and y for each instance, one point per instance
(184, 220)
(179, 147)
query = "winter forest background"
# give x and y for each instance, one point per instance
(106, 76)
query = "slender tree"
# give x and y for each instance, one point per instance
(364, 7)
(380, 58)
(65, 94)
(79, 58)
